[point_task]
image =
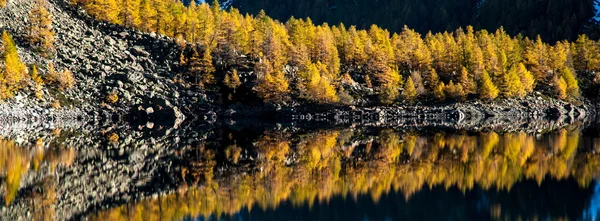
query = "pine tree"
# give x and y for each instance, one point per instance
(14, 70)
(438, 91)
(572, 84)
(511, 85)
(466, 82)
(272, 86)
(148, 16)
(40, 30)
(130, 13)
(527, 79)
(487, 89)
(232, 80)
(410, 92)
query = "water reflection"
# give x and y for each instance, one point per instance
(409, 174)
(38, 160)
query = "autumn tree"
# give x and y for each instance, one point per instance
(410, 92)
(147, 16)
(107, 10)
(2, 3)
(318, 86)
(129, 14)
(272, 86)
(560, 87)
(232, 80)
(13, 71)
(38, 82)
(454, 91)
(586, 54)
(438, 91)
(487, 89)
(511, 85)
(572, 84)
(527, 79)
(466, 81)
(40, 33)
(389, 90)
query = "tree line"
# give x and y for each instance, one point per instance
(554, 20)
(318, 63)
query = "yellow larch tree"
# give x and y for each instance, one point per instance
(147, 16)
(319, 87)
(466, 81)
(40, 33)
(438, 91)
(272, 86)
(527, 79)
(410, 92)
(511, 85)
(14, 70)
(487, 89)
(572, 84)
(129, 15)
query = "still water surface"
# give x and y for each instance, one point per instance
(295, 174)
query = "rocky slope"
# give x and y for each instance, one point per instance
(105, 59)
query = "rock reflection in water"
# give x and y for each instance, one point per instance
(509, 175)
(32, 167)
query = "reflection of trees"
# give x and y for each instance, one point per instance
(304, 169)
(16, 161)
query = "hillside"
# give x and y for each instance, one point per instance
(223, 63)
(105, 58)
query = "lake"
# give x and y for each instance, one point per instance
(295, 173)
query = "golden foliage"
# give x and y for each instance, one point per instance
(112, 98)
(487, 89)
(113, 138)
(64, 80)
(410, 92)
(13, 71)
(328, 167)
(273, 86)
(382, 59)
(40, 30)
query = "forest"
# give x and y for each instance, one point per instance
(241, 57)
(553, 20)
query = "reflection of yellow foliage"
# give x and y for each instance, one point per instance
(326, 167)
(16, 161)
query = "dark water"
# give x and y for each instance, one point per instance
(299, 174)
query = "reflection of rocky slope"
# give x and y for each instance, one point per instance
(101, 173)
(155, 162)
